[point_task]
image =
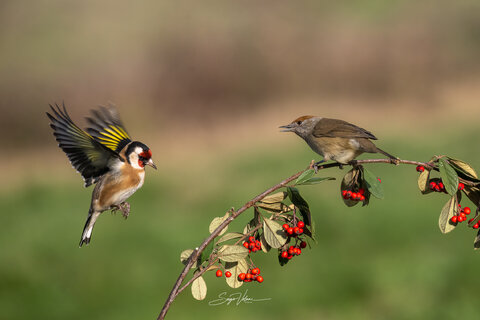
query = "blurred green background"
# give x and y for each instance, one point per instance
(205, 85)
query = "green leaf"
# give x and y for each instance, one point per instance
(216, 222)
(465, 168)
(473, 193)
(448, 211)
(300, 203)
(230, 236)
(372, 183)
(423, 182)
(265, 246)
(274, 233)
(449, 176)
(306, 175)
(272, 207)
(315, 180)
(274, 198)
(476, 243)
(205, 255)
(236, 268)
(199, 288)
(232, 253)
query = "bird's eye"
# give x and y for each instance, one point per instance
(299, 122)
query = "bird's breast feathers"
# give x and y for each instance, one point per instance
(120, 185)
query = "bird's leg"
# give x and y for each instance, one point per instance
(353, 163)
(125, 208)
(316, 164)
(114, 208)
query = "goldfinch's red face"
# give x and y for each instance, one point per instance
(140, 156)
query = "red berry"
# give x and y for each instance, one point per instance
(248, 276)
(299, 251)
(259, 279)
(228, 274)
(295, 230)
(285, 226)
(300, 230)
(361, 191)
(303, 244)
(420, 168)
(470, 220)
(290, 230)
(245, 244)
(219, 273)
(255, 271)
(362, 198)
(461, 186)
(454, 219)
(353, 196)
(467, 210)
(291, 250)
(251, 246)
(251, 239)
(475, 226)
(290, 256)
(463, 216)
(441, 185)
(379, 180)
(258, 244)
(284, 254)
(301, 224)
(433, 184)
(241, 276)
(437, 188)
(348, 195)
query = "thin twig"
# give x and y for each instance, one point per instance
(196, 253)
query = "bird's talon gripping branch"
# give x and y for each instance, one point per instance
(125, 208)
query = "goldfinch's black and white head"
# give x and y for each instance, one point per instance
(139, 155)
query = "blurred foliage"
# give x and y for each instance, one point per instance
(187, 62)
(387, 260)
(203, 60)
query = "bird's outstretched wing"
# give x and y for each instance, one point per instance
(106, 127)
(334, 128)
(89, 157)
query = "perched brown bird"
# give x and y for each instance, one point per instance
(334, 139)
(103, 154)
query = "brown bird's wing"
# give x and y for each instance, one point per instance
(89, 157)
(106, 127)
(333, 128)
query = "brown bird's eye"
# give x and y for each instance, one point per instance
(299, 122)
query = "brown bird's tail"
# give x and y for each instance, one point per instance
(387, 154)
(88, 228)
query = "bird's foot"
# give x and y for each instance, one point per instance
(317, 164)
(353, 163)
(125, 208)
(395, 161)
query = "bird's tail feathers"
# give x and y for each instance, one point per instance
(387, 154)
(88, 228)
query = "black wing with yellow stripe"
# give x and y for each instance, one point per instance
(89, 157)
(106, 127)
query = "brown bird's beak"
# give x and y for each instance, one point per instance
(288, 127)
(151, 164)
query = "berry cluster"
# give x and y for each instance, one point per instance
(293, 251)
(251, 275)
(440, 187)
(294, 231)
(252, 245)
(462, 216)
(355, 196)
(420, 168)
(219, 273)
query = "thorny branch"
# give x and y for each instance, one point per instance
(178, 288)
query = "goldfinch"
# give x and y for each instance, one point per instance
(105, 155)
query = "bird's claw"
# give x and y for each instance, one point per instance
(125, 208)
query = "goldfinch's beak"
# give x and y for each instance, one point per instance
(288, 127)
(151, 164)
